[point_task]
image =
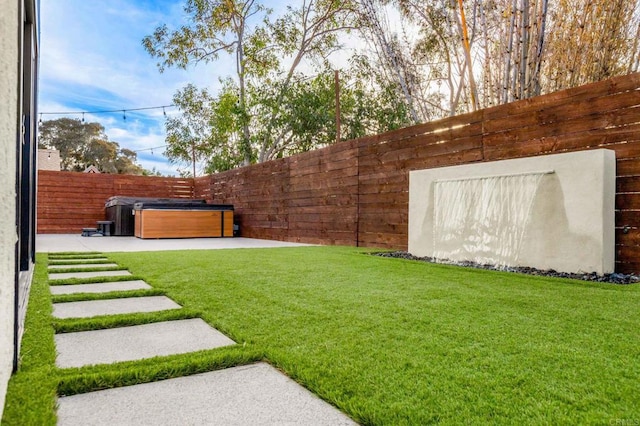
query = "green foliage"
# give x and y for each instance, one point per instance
(210, 127)
(259, 114)
(215, 27)
(306, 119)
(300, 117)
(85, 144)
(212, 27)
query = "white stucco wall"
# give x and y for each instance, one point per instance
(8, 119)
(569, 227)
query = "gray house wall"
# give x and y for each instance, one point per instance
(18, 76)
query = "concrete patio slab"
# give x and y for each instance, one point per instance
(65, 275)
(99, 287)
(255, 394)
(137, 342)
(47, 243)
(129, 305)
(84, 266)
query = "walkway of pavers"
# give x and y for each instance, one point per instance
(256, 394)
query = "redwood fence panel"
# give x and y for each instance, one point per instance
(356, 192)
(69, 201)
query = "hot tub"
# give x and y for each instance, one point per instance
(119, 210)
(168, 220)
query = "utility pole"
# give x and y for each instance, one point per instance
(193, 158)
(337, 81)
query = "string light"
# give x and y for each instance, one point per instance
(150, 149)
(107, 111)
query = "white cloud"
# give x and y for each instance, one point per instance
(92, 58)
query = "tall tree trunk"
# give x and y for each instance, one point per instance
(524, 49)
(245, 146)
(507, 94)
(390, 55)
(635, 55)
(467, 53)
(542, 27)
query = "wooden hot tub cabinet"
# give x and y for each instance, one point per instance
(152, 221)
(119, 210)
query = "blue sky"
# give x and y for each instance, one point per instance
(91, 58)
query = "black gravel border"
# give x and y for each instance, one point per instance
(614, 278)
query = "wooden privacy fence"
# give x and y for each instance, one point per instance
(69, 201)
(356, 192)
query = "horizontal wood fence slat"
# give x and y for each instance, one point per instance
(356, 192)
(70, 201)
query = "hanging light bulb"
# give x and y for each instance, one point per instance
(124, 114)
(83, 117)
(40, 120)
(164, 112)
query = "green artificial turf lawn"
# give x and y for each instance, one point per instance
(388, 341)
(391, 341)
(32, 391)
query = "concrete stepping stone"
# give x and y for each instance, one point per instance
(85, 265)
(99, 287)
(76, 258)
(72, 261)
(136, 342)
(128, 305)
(255, 394)
(65, 275)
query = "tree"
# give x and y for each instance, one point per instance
(591, 41)
(208, 130)
(307, 110)
(513, 49)
(391, 56)
(308, 32)
(267, 53)
(209, 125)
(70, 137)
(84, 144)
(215, 26)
